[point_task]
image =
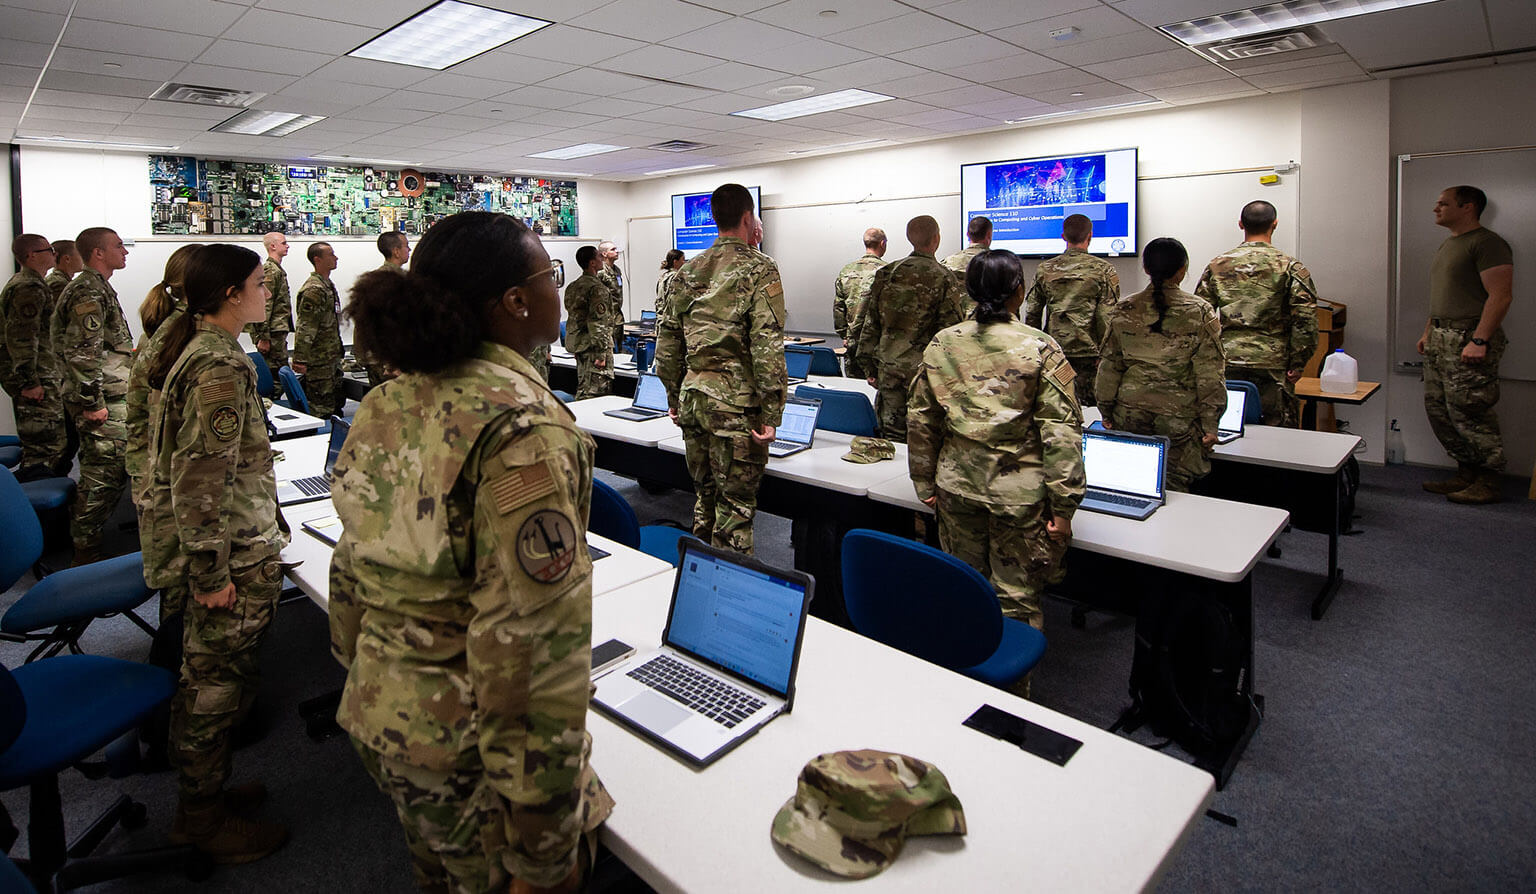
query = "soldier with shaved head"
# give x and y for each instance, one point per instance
(850, 290)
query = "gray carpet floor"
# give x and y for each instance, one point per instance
(1395, 753)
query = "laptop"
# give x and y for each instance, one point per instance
(727, 661)
(1125, 472)
(1230, 428)
(798, 365)
(315, 487)
(650, 401)
(798, 427)
(647, 319)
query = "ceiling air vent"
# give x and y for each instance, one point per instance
(1243, 49)
(676, 146)
(206, 96)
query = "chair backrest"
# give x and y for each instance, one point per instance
(13, 712)
(846, 411)
(293, 389)
(824, 361)
(612, 516)
(915, 598)
(23, 534)
(1253, 412)
(562, 333)
(264, 384)
(645, 351)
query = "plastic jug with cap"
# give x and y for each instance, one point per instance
(1341, 375)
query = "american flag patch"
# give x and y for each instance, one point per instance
(522, 487)
(217, 392)
(1063, 375)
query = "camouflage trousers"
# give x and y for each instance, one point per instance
(1087, 371)
(1459, 398)
(1008, 545)
(1277, 394)
(726, 466)
(277, 358)
(103, 476)
(592, 380)
(540, 360)
(219, 675)
(322, 386)
(43, 431)
(891, 412)
(1188, 459)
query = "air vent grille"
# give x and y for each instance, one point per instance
(195, 94)
(676, 146)
(1245, 48)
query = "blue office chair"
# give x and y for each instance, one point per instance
(562, 333)
(1253, 412)
(565, 396)
(824, 361)
(10, 441)
(645, 352)
(930, 604)
(614, 518)
(264, 384)
(846, 411)
(10, 456)
(296, 399)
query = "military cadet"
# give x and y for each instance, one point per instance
(218, 537)
(163, 303)
(1268, 310)
(1078, 290)
(995, 441)
(66, 263)
(317, 349)
(395, 246)
(670, 264)
(95, 346)
(611, 275)
(589, 326)
(720, 353)
(466, 629)
(850, 290)
(1471, 286)
(909, 301)
(979, 231)
(1162, 367)
(29, 366)
(271, 334)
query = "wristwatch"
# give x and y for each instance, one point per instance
(1480, 342)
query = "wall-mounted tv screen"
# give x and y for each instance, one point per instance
(1027, 199)
(693, 226)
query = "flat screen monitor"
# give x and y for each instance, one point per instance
(693, 226)
(1027, 199)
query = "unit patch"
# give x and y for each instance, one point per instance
(224, 423)
(546, 545)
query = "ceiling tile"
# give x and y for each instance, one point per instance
(1223, 89)
(1163, 12)
(69, 99)
(378, 14)
(667, 94)
(426, 102)
(591, 83)
(810, 54)
(989, 15)
(183, 110)
(736, 7)
(929, 117)
(1019, 65)
(1012, 108)
(1310, 74)
(918, 85)
(960, 51)
(1178, 78)
(259, 57)
(660, 62)
(314, 88)
(668, 116)
(75, 115)
(1051, 80)
(504, 65)
(612, 107)
(371, 72)
(870, 73)
(1110, 49)
(649, 20)
(723, 103)
(1093, 24)
(18, 75)
(736, 39)
(281, 29)
(569, 120)
(1511, 23)
(87, 83)
(915, 29)
(33, 25)
(216, 76)
(562, 43)
(1136, 66)
(94, 62)
(133, 40)
(190, 16)
(387, 114)
(809, 16)
(1087, 94)
(967, 95)
(542, 97)
(461, 86)
(1418, 34)
(734, 76)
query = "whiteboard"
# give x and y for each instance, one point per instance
(1509, 179)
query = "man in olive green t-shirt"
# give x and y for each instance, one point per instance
(1470, 289)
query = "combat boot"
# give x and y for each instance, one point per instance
(1466, 473)
(1483, 489)
(240, 799)
(227, 838)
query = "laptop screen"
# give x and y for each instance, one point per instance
(1232, 416)
(1127, 464)
(798, 363)
(339, 429)
(799, 423)
(650, 394)
(738, 617)
(647, 316)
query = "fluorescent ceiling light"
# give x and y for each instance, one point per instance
(261, 123)
(1276, 17)
(680, 170)
(838, 146)
(814, 105)
(446, 34)
(1118, 105)
(94, 144)
(376, 162)
(581, 150)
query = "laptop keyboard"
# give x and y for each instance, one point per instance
(314, 486)
(785, 445)
(1119, 499)
(714, 698)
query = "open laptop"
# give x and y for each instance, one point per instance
(315, 487)
(650, 401)
(647, 319)
(798, 365)
(728, 656)
(1230, 428)
(1125, 472)
(798, 427)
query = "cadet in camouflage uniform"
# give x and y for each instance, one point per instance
(467, 628)
(209, 454)
(994, 439)
(92, 338)
(1268, 310)
(317, 349)
(1079, 290)
(162, 306)
(613, 278)
(670, 264)
(270, 335)
(29, 367)
(589, 327)
(1162, 369)
(66, 263)
(850, 290)
(909, 301)
(720, 353)
(979, 231)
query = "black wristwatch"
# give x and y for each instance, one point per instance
(1480, 342)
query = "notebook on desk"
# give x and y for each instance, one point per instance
(650, 401)
(797, 429)
(1230, 428)
(315, 487)
(727, 661)
(1125, 472)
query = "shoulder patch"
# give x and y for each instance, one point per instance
(87, 308)
(27, 309)
(216, 392)
(546, 546)
(224, 423)
(1063, 375)
(520, 487)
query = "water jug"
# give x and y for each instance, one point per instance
(1341, 375)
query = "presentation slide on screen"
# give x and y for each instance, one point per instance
(1027, 199)
(693, 224)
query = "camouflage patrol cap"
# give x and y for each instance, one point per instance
(853, 810)
(869, 450)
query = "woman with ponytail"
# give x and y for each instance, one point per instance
(994, 435)
(461, 590)
(1161, 369)
(163, 301)
(670, 264)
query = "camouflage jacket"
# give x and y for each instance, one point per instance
(993, 417)
(317, 341)
(279, 321)
(960, 261)
(1178, 373)
(909, 301)
(613, 278)
(590, 320)
(722, 333)
(143, 403)
(210, 460)
(461, 590)
(57, 280)
(849, 290)
(93, 341)
(1267, 305)
(26, 346)
(1079, 290)
(661, 288)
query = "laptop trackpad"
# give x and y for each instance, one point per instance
(655, 712)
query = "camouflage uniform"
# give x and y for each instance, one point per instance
(1167, 383)
(1079, 290)
(960, 261)
(661, 288)
(850, 290)
(540, 360)
(57, 280)
(994, 430)
(466, 626)
(909, 301)
(279, 321)
(1268, 310)
(720, 353)
(28, 360)
(92, 338)
(589, 331)
(613, 278)
(217, 525)
(317, 345)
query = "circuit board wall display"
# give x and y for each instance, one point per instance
(194, 196)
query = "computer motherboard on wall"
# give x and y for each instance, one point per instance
(195, 196)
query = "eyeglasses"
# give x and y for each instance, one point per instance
(555, 271)
(38, 251)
